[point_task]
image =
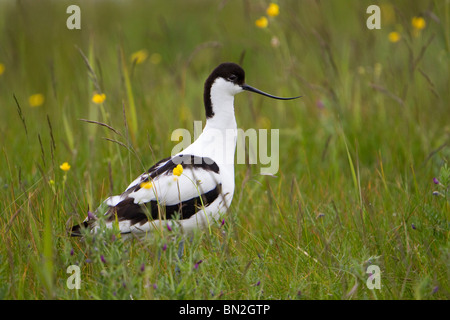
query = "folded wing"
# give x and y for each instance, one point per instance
(158, 194)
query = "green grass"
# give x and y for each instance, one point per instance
(358, 153)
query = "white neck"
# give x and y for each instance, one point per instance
(219, 136)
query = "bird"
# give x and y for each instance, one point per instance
(192, 189)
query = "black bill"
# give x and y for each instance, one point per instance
(251, 89)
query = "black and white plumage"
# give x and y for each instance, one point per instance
(203, 192)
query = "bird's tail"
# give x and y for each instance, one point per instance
(76, 230)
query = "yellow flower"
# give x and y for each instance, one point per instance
(2, 68)
(178, 170)
(418, 23)
(262, 22)
(273, 10)
(98, 98)
(36, 100)
(65, 166)
(146, 185)
(394, 37)
(139, 56)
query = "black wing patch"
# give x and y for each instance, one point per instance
(156, 165)
(187, 161)
(127, 210)
(141, 213)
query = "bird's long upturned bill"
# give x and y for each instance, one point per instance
(252, 89)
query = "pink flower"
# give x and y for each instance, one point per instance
(197, 264)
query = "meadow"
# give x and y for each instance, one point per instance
(363, 175)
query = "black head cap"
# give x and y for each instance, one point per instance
(230, 72)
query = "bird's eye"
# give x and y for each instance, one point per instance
(233, 77)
